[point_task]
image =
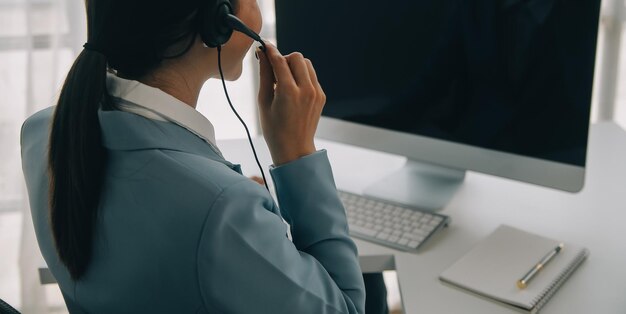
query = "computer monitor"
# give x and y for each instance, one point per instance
(501, 87)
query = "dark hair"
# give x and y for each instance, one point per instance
(131, 37)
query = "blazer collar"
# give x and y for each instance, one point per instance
(153, 103)
(128, 131)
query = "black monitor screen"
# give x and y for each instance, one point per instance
(507, 75)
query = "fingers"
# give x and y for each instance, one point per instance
(266, 88)
(299, 69)
(312, 73)
(258, 180)
(279, 64)
(291, 74)
(315, 81)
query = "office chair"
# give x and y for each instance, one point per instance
(7, 309)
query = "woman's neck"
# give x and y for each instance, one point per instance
(183, 77)
(183, 86)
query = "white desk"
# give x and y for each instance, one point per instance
(595, 218)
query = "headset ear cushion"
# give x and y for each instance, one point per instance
(214, 30)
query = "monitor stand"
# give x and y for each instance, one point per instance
(418, 184)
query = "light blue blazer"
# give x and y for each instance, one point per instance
(180, 230)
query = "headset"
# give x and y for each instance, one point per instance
(216, 23)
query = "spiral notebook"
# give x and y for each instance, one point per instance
(492, 268)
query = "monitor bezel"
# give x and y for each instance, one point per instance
(454, 155)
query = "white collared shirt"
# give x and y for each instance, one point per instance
(153, 103)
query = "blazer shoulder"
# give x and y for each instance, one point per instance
(39, 117)
(191, 169)
(37, 122)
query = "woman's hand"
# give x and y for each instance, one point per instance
(290, 104)
(258, 180)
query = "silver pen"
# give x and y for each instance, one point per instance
(523, 283)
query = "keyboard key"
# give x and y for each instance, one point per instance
(363, 230)
(413, 244)
(417, 236)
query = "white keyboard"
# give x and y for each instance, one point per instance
(390, 224)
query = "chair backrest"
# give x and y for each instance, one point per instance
(6, 308)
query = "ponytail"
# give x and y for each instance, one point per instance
(77, 161)
(131, 37)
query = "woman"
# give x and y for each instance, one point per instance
(136, 210)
